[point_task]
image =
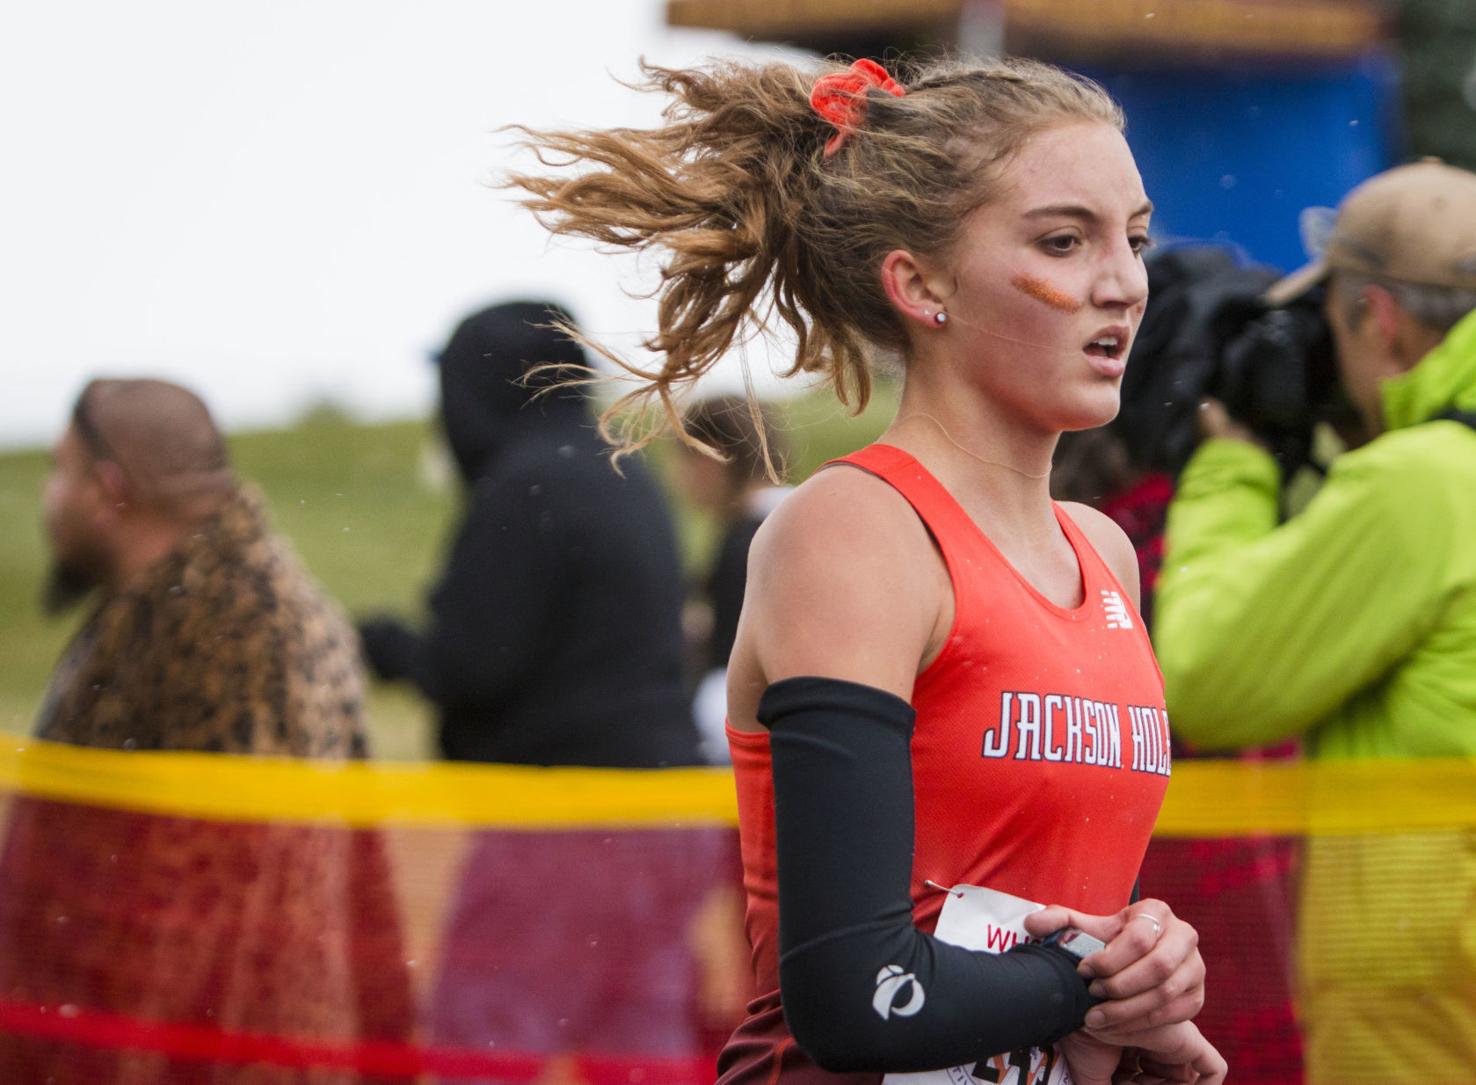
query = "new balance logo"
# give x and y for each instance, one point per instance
(891, 981)
(1115, 610)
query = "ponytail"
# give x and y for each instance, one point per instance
(756, 219)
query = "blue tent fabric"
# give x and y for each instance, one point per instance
(1236, 154)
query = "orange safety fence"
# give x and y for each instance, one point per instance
(180, 917)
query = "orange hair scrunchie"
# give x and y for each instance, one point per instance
(840, 98)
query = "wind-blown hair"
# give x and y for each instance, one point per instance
(741, 430)
(754, 220)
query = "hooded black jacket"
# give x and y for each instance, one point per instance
(555, 631)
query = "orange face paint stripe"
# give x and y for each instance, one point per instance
(1043, 291)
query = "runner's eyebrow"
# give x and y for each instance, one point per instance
(1078, 211)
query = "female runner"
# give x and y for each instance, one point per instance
(943, 709)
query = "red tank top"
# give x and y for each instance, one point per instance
(1039, 755)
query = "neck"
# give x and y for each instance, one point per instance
(975, 449)
(147, 542)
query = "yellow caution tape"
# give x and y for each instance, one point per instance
(365, 794)
(1205, 798)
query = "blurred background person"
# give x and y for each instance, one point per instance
(735, 493)
(554, 635)
(1095, 467)
(1206, 328)
(554, 638)
(205, 634)
(735, 496)
(1353, 624)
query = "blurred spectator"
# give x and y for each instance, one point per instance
(1223, 888)
(737, 495)
(555, 639)
(1353, 624)
(206, 635)
(1095, 467)
(555, 630)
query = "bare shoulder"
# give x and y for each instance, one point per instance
(832, 506)
(843, 581)
(1111, 542)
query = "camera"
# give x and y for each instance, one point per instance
(1206, 332)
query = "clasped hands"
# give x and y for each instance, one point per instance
(1152, 976)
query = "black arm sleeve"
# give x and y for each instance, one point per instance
(844, 821)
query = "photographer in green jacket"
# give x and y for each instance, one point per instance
(1353, 623)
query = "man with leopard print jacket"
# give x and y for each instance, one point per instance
(207, 633)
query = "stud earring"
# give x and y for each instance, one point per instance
(940, 318)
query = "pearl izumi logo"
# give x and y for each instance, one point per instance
(892, 984)
(1115, 610)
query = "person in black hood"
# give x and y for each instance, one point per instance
(555, 629)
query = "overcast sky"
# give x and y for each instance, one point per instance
(282, 203)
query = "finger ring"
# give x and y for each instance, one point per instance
(1157, 926)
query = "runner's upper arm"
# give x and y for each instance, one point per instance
(844, 583)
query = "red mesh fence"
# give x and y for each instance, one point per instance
(151, 946)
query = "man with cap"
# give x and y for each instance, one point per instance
(1352, 625)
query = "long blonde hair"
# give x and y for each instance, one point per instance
(754, 219)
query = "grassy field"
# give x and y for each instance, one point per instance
(367, 507)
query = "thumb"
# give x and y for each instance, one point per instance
(1214, 419)
(1103, 927)
(1041, 923)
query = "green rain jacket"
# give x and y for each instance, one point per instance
(1352, 625)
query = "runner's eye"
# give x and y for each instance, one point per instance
(1061, 244)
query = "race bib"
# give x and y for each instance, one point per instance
(990, 921)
